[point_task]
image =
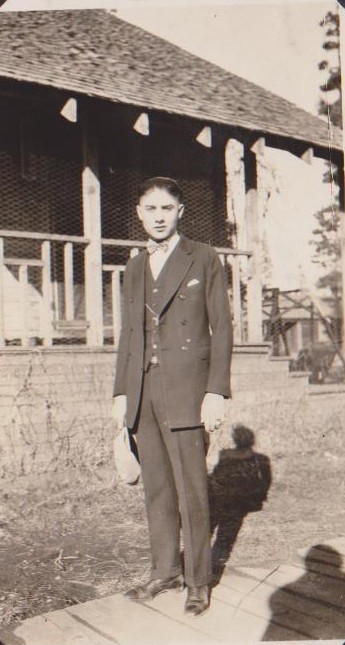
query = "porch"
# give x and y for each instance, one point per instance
(40, 309)
(69, 224)
(82, 126)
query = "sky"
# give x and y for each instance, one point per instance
(277, 45)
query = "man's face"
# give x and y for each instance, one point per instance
(159, 213)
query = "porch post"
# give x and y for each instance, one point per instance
(47, 305)
(24, 283)
(235, 217)
(2, 294)
(341, 169)
(342, 247)
(342, 255)
(92, 230)
(254, 288)
(234, 261)
(116, 306)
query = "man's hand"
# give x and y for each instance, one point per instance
(212, 411)
(119, 410)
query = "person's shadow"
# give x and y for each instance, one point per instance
(238, 485)
(312, 607)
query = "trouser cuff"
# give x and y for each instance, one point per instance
(166, 574)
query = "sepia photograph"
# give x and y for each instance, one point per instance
(172, 336)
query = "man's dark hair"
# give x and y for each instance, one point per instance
(168, 184)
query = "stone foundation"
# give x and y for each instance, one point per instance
(55, 404)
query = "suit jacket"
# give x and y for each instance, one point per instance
(194, 333)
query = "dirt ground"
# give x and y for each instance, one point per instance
(73, 536)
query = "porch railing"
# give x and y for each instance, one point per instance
(231, 258)
(51, 322)
(59, 319)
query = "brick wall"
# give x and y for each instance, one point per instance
(54, 409)
(55, 404)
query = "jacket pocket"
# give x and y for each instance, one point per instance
(203, 351)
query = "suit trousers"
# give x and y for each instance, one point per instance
(175, 483)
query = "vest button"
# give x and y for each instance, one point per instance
(184, 348)
(154, 346)
(155, 290)
(154, 360)
(181, 296)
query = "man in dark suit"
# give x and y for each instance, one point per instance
(172, 377)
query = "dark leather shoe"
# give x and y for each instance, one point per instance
(197, 601)
(153, 588)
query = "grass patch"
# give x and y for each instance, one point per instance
(75, 535)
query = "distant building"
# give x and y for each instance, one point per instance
(293, 322)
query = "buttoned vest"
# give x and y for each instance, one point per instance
(151, 319)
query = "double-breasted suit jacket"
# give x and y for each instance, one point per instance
(194, 338)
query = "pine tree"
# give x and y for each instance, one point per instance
(331, 108)
(326, 241)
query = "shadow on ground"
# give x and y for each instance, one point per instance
(239, 484)
(312, 607)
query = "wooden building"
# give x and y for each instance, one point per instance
(292, 322)
(89, 106)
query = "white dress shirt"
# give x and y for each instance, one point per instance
(159, 257)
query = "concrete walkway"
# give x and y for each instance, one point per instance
(302, 600)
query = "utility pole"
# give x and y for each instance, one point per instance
(342, 205)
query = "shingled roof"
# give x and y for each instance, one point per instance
(95, 53)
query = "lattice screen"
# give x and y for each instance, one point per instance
(41, 192)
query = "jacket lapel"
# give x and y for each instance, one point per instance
(175, 270)
(138, 285)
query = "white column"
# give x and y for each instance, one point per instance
(92, 230)
(47, 294)
(69, 281)
(2, 294)
(342, 205)
(254, 287)
(24, 304)
(234, 261)
(235, 206)
(116, 305)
